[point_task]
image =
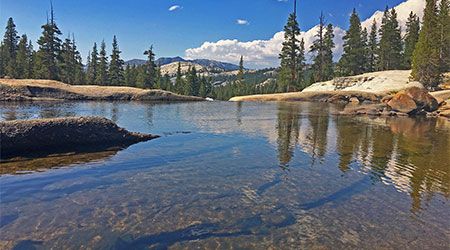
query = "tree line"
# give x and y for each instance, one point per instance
(424, 48)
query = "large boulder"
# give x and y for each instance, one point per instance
(24, 136)
(402, 103)
(422, 99)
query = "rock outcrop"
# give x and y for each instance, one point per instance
(27, 136)
(413, 101)
(38, 90)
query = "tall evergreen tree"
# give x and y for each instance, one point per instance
(179, 82)
(444, 34)
(328, 69)
(67, 62)
(115, 71)
(426, 63)
(23, 59)
(352, 61)
(390, 46)
(411, 38)
(150, 68)
(366, 54)
(92, 71)
(290, 56)
(318, 48)
(102, 71)
(3, 59)
(10, 41)
(240, 75)
(78, 67)
(372, 45)
(48, 55)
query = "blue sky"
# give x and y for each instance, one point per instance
(140, 23)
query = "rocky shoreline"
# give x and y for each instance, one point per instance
(47, 90)
(29, 136)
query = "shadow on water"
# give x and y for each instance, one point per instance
(247, 226)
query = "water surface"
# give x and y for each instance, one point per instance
(232, 175)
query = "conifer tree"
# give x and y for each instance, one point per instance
(318, 48)
(115, 71)
(102, 71)
(158, 78)
(48, 55)
(141, 77)
(179, 82)
(366, 53)
(23, 59)
(372, 45)
(444, 34)
(127, 75)
(78, 67)
(411, 38)
(290, 56)
(328, 69)
(351, 62)
(150, 68)
(189, 86)
(167, 82)
(240, 75)
(426, 63)
(10, 41)
(92, 71)
(390, 46)
(67, 62)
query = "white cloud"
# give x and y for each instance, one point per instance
(264, 53)
(240, 21)
(172, 8)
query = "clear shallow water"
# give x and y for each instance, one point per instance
(233, 175)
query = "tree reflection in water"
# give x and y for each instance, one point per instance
(410, 153)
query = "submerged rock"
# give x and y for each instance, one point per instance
(27, 136)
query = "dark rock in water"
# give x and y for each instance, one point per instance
(422, 99)
(402, 103)
(338, 99)
(43, 134)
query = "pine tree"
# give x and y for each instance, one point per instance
(67, 62)
(444, 34)
(179, 82)
(351, 62)
(390, 46)
(240, 75)
(102, 71)
(318, 48)
(115, 71)
(92, 71)
(158, 78)
(10, 42)
(372, 47)
(290, 53)
(150, 67)
(426, 63)
(328, 69)
(78, 67)
(48, 55)
(127, 75)
(411, 38)
(23, 59)
(189, 86)
(366, 53)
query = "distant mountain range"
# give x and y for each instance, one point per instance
(203, 62)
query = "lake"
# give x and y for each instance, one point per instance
(232, 175)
